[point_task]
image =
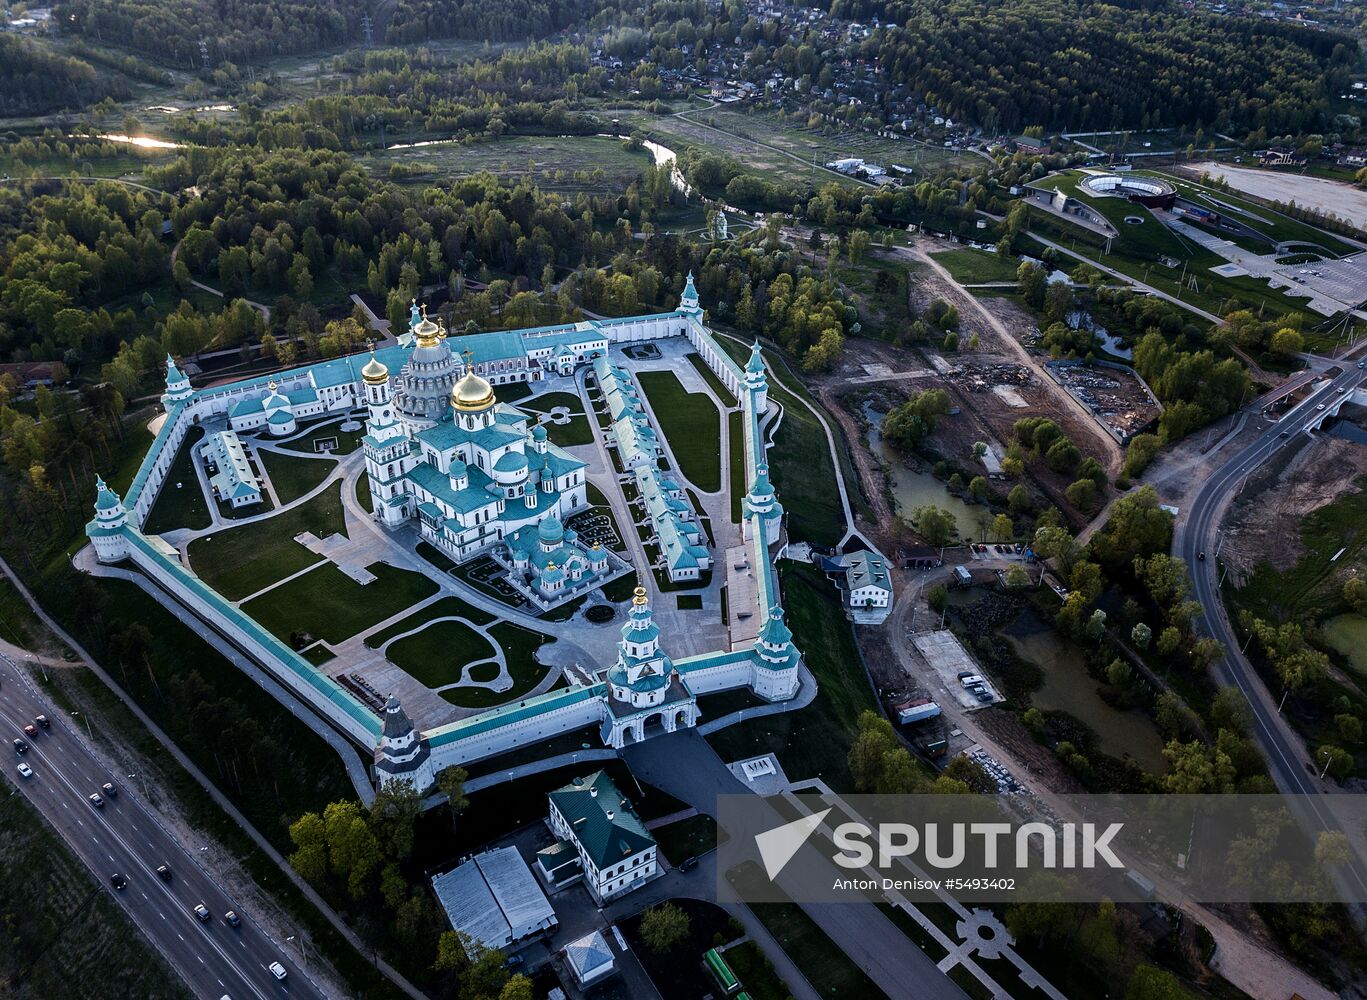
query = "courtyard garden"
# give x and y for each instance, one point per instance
(691, 424)
(240, 561)
(519, 647)
(327, 604)
(327, 439)
(437, 655)
(293, 477)
(180, 502)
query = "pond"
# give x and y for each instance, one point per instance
(1082, 320)
(912, 489)
(1069, 688)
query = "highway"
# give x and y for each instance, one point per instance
(1196, 535)
(214, 959)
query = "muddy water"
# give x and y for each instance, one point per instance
(1069, 688)
(912, 489)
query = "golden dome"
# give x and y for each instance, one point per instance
(472, 392)
(428, 333)
(374, 372)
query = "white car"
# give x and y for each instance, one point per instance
(25, 771)
(278, 970)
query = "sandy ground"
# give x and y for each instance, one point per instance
(1344, 200)
(1321, 471)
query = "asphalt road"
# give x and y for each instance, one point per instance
(1197, 535)
(214, 959)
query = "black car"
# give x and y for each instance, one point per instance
(20, 746)
(110, 790)
(118, 881)
(1201, 556)
(232, 919)
(163, 873)
(96, 800)
(43, 721)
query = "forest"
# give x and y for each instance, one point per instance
(34, 79)
(1079, 65)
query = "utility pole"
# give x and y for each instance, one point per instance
(367, 28)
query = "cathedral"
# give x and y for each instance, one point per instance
(473, 472)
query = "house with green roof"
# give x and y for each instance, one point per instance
(616, 851)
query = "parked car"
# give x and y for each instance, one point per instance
(118, 881)
(278, 970)
(24, 770)
(97, 800)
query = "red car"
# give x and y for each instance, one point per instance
(31, 732)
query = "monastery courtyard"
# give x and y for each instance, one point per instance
(384, 612)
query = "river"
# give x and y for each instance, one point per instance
(912, 489)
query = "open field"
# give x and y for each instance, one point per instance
(519, 649)
(973, 267)
(437, 655)
(62, 927)
(181, 502)
(568, 163)
(240, 561)
(1343, 199)
(345, 441)
(329, 605)
(293, 477)
(691, 424)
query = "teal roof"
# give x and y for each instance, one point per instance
(550, 530)
(474, 497)
(511, 461)
(585, 804)
(486, 347)
(105, 498)
(506, 715)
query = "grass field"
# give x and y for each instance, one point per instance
(691, 424)
(436, 655)
(550, 400)
(18, 624)
(240, 561)
(577, 431)
(976, 266)
(687, 838)
(347, 441)
(294, 477)
(563, 163)
(329, 605)
(813, 742)
(735, 431)
(724, 394)
(755, 972)
(519, 648)
(446, 607)
(61, 925)
(181, 502)
(800, 464)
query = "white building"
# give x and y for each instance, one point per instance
(865, 586)
(230, 472)
(494, 899)
(617, 852)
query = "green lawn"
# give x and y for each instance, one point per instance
(755, 972)
(687, 838)
(519, 647)
(444, 608)
(550, 400)
(977, 266)
(318, 655)
(800, 465)
(435, 655)
(710, 377)
(812, 742)
(62, 926)
(577, 431)
(511, 392)
(240, 561)
(329, 605)
(346, 441)
(18, 624)
(294, 477)
(132, 450)
(735, 430)
(181, 502)
(691, 424)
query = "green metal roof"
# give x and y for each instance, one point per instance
(602, 819)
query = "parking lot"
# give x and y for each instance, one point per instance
(942, 650)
